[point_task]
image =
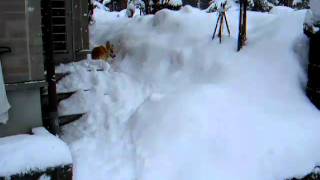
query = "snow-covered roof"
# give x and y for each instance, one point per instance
(22, 153)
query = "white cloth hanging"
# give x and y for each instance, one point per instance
(4, 104)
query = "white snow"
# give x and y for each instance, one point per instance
(177, 105)
(4, 104)
(278, 10)
(23, 153)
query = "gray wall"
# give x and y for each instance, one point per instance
(21, 30)
(20, 22)
(25, 112)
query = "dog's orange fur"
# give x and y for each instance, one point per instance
(103, 52)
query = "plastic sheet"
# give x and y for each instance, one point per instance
(4, 104)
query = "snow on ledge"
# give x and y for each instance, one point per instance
(22, 153)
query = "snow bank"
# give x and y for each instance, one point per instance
(23, 153)
(281, 10)
(176, 105)
(101, 137)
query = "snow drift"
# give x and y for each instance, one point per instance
(176, 105)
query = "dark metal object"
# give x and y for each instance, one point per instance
(4, 50)
(50, 66)
(55, 173)
(242, 38)
(221, 18)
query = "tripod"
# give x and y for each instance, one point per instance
(221, 18)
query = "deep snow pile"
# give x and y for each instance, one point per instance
(24, 153)
(176, 105)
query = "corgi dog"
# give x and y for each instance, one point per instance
(103, 52)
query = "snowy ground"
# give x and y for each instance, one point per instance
(37, 152)
(177, 106)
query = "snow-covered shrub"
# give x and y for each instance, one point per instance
(214, 5)
(312, 19)
(130, 10)
(266, 5)
(175, 2)
(260, 5)
(297, 4)
(168, 4)
(301, 4)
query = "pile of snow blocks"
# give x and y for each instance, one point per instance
(36, 156)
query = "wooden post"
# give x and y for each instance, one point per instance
(146, 6)
(221, 27)
(50, 67)
(245, 5)
(242, 24)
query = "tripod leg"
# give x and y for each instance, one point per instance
(215, 29)
(227, 24)
(240, 26)
(245, 4)
(221, 28)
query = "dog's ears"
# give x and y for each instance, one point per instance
(108, 45)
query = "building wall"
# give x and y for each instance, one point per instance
(25, 112)
(21, 31)
(23, 68)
